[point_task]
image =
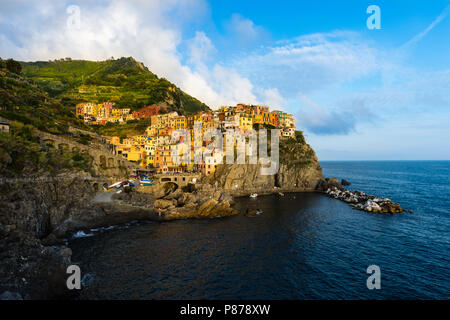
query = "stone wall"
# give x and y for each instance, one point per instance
(104, 160)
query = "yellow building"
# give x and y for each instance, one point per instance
(135, 154)
(139, 139)
(210, 125)
(245, 122)
(178, 122)
(223, 109)
(290, 122)
(150, 149)
(260, 109)
(128, 141)
(115, 140)
(79, 109)
(163, 120)
(151, 131)
(261, 118)
(86, 109)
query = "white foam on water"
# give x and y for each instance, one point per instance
(82, 234)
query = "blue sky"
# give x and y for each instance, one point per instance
(358, 94)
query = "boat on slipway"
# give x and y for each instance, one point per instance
(146, 181)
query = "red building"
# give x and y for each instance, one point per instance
(148, 111)
(222, 117)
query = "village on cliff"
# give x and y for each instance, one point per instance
(153, 149)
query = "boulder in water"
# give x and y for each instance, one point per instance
(253, 212)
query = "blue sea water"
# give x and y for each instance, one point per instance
(304, 246)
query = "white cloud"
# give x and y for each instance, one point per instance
(244, 32)
(273, 98)
(200, 49)
(145, 30)
(353, 76)
(311, 62)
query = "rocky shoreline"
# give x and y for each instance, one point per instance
(35, 257)
(360, 200)
(203, 201)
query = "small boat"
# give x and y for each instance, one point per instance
(281, 194)
(115, 185)
(146, 182)
(253, 195)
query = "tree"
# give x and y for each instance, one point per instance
(13, 66)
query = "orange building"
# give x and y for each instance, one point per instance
(274, 119)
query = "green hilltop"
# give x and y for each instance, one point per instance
(124, 81)
(23, 101)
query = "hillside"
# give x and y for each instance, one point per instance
(124, 81)
(23, 101)
(30, 111)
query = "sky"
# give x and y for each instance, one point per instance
(357, 93)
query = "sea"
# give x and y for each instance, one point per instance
(303, 246)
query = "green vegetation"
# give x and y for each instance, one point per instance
(296, 151)
(22, 155)
(124, 81)
(44, 94)
(83, 138)
(130, 128)
(299, 136)
(13, 66)
(21, 100)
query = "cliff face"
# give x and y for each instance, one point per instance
(30, 211)
(33, 216)
(299, 171)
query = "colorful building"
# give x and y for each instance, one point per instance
(148, 111)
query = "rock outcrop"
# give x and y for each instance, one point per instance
(299, 171)
(365, 202)
(205, 201)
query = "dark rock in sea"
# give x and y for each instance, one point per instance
(51, 240)
(253, 212)
(365, 202)
(345, 182)
(8, 295)
(328, 183)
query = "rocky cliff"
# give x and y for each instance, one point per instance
(35, 215)
(30, 212)
(299, 171)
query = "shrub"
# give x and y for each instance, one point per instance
(13, 66)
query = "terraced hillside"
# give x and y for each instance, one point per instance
(124, 81)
